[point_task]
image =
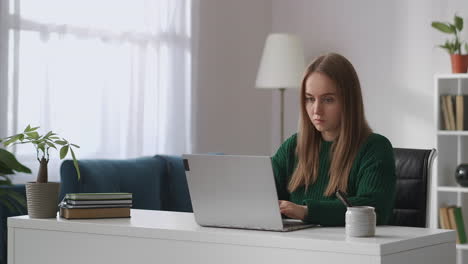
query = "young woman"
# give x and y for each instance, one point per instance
(334, 150)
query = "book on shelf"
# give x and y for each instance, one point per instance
(460, 224)
(454, 112)
(453, 224)
(444, 110)
(459, 111)
(451, 217)
(451, 112)
(465, 112)
(83, 213)
(98, 196)
(443, 218)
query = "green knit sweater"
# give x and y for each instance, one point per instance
(371, 181)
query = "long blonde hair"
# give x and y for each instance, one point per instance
(353, 127)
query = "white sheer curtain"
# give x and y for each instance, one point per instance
(112, 76)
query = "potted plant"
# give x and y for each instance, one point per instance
(42, 195)
(454, 46)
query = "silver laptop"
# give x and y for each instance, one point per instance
(236, 192)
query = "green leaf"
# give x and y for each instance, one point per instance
(466, 48)
(76, 146)
(30, 129)
(48, 134)
(444, 27)
(50, 144)
(453, 28)
(41, 146)
(4, 170)
(4, 177)
(451, 47)
(11, 140)
(75, 163)
(63, 152)
(443, 46)
(10, 161)
(33, 135)
(13, 201)
(7, 181)
(5, 202)
(458, 22)
(61, 142)
(12, 136)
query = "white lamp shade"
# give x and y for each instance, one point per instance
(282, 64)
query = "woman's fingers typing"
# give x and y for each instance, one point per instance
(292, 210)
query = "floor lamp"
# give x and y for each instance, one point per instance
(281, 66)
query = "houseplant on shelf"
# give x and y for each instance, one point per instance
(42, 195)
(454, 46)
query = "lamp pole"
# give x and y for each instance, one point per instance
(282, 113)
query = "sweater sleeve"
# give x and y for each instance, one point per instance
(375, 187)
(280, 163)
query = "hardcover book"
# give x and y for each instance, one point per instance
(94, 205)
(83, 213)
(103, 202)
(98, 196)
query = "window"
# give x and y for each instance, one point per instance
(112, 76)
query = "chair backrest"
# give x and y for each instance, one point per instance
(413, 169)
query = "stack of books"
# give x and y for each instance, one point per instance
(95, 205)
(451, 217)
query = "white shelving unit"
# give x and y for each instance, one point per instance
(452, 147)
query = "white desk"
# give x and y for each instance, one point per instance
(170, 237)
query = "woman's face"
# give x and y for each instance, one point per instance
(323, 105)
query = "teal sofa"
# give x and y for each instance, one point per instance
(157, 183)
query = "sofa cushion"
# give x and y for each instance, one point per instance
(141, 176)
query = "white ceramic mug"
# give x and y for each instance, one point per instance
(360, 221)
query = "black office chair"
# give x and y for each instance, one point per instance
(413, 172)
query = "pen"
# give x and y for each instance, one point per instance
(343, 198)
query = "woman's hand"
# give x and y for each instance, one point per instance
(293, 210)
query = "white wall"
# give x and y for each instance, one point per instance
(391, 44)
(230, 115)
(393, 48)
